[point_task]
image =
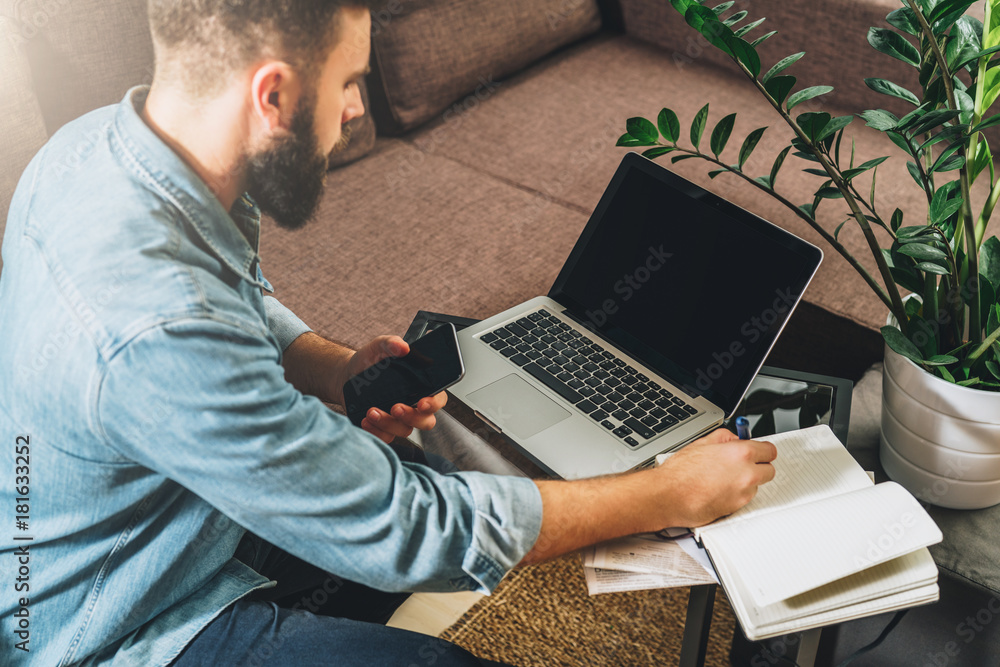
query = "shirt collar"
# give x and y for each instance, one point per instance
(231, 236)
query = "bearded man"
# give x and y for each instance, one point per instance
(190, 490)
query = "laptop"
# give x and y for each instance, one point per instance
(654, 329)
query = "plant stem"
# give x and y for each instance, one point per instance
(972, 249)
(894, 301)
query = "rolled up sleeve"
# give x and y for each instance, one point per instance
(283, 323)
(228, 428)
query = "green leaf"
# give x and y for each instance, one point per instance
(930, 267)
(835, 125)
(951, 164)
(678, 158)
(748, 27)
(642, 130)
(946, 9)
(940, 360)
(975, 56)
(669, 126)
(715, 172)
(779, 87)
(942, 207)
(778, 161)
(900, 344)
(914, 173)
(720, 135)
(735, 18)
(944, 157)
(782, 65)
(807, 94)
(932, 119)
(829, 193)
(990, 81)
(923, 252)
(760, 39)
(629, 141)
(905, 20)
(897, 220)
(708, 24)
(746, 54)
(718, 9)
(907, 232)
(813, 123)
(698, 125)
(658, 151)
(946, 374)
(891, 89)
(893, 44)
(749, 144)
(989, 122)
(989, 261)
(836, 232)
(879, 119)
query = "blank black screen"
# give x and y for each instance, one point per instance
(692, 286)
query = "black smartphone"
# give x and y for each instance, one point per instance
(433, 364)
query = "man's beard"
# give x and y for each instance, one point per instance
(286, 180)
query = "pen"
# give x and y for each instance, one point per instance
(743, 428)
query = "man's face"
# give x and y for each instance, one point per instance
(286, 179)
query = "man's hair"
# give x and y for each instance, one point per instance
(200, 44)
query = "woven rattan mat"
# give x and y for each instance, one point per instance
(541, 616)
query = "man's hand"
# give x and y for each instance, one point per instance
(403, 418)
(715, 476)
(320, 367)
(710, 478)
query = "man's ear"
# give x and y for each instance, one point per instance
(275, 91)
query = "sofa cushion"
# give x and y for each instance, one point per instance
(427, 54)
(85, 54)
(22, 128)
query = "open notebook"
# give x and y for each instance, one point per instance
(821, 544)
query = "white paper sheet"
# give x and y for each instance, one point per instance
(644, 562)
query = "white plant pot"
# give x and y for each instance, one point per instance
(940, 441)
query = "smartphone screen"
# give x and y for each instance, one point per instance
(433, 364)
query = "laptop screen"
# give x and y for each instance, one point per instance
(694, 287)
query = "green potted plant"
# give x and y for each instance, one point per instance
(939, 279)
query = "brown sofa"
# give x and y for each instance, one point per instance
(489, 140)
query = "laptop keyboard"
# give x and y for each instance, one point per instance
(597, 383)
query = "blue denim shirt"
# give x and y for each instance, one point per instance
(142, 364)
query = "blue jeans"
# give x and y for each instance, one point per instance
(314, 618)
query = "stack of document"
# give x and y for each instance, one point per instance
(642, 562)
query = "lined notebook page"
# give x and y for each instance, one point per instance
(812, 464)
(784, 553)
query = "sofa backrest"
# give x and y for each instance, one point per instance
(428, 54)
(832, 33)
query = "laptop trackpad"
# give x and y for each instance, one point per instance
(517, 407)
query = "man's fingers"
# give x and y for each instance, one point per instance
(764, 451)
